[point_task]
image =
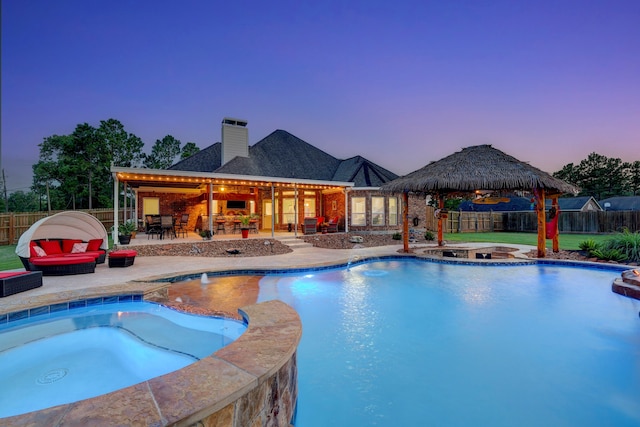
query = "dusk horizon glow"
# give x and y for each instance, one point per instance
(401, 84)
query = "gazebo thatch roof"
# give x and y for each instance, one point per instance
(480, 167)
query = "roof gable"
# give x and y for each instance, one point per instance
(362, 172)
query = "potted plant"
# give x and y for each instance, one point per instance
(206, 234)
(125, 230)
(244, 225)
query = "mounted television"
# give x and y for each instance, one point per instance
(236, 204)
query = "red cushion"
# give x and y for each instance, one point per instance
(13, 274)
(94, 245)
(93, 255)
(62, 260)
(125, 253)
(67, 244)
(51, 247)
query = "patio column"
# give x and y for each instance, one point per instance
(210, 207)
(273, 210)
(346, 210)
(116, 197)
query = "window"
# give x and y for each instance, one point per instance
(288, 211)
(377, 211)
(393, 210)
(358, 211)
(309, 207)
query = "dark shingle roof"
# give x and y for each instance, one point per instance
(621, 203)
(206, 160)
(362, 173)
(281, 154)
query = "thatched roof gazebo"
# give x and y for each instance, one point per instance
(480, 168)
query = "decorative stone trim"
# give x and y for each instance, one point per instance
(252, 381)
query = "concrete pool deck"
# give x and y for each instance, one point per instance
(139, 277)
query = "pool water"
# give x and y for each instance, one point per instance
(419, 343)
(85, 352)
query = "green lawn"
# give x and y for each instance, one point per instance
(567, 241)
(8, 258)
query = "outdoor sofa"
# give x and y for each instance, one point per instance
(58, 257)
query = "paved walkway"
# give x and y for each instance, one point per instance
(139, 277)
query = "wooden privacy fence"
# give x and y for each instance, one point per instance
(12, 225)
(569, 222)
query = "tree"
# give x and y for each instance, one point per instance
(188, 150)
(163, 153)
(597, 175)
(632, 178)
(74, 170)
(125, 148)
(19, 201)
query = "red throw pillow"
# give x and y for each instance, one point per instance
(94, 245)
(67, 245)
(51, 247)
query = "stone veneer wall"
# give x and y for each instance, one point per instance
(251, 382)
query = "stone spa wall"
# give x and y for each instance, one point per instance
(251, 382)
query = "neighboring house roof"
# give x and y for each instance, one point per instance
(582, 203)
(621, 203)
(514, 204)
(206, 160)
(567, 204)
(281, 154)
(362, 172)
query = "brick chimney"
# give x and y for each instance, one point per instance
(235, 139)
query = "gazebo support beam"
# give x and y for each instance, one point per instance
(556, 232)
(440, 232)
(542, 224)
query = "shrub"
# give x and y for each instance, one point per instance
(397, 236)
(626, 243)
(611, 254)
(588, 246)
(429, 236)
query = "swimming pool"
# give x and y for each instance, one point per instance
(67, 356)
(422, 343)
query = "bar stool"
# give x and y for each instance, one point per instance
(220, 226)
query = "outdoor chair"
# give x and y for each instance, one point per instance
(333, 225)
(310, 225)
(166, 224)
(153, 226)
(182, 225)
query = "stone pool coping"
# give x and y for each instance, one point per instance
(221, 387)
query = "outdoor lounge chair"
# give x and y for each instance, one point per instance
(333, 225)
(310, 225)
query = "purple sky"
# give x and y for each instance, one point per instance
(400, 83)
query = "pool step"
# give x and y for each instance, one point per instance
(293, 242)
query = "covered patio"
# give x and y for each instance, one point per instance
(217, 202)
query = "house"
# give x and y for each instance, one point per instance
(281, 179)
(621, 203)
(520, 204)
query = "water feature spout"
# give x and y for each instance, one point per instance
(204, 279)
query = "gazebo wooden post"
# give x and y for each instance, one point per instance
(542, 224)
(440, 232)
(405, 221)
(556, 232)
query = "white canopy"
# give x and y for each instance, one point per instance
(63, 225)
